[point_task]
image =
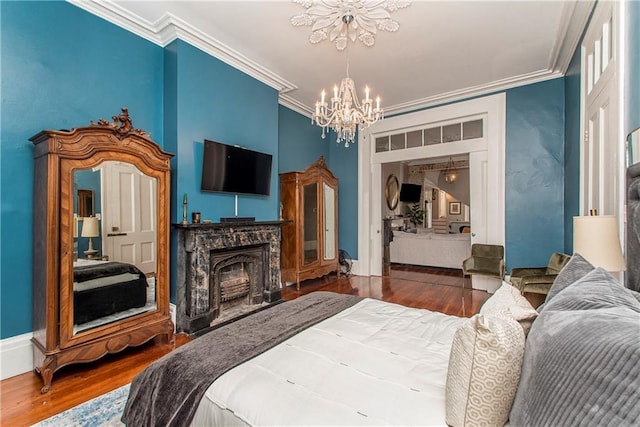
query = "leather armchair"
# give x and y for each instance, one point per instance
(538, 280)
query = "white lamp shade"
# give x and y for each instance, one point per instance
(90, 227)
(596, 239)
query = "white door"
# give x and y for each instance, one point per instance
(600, 160)
(129, 222)
(478, 188)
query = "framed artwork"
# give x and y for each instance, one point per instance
(454, 208)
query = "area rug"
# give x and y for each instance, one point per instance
(104, 410)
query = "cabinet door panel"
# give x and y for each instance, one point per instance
(329, 222)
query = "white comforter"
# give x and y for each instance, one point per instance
(375, 363)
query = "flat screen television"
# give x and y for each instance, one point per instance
(410, 193)
(232, 169)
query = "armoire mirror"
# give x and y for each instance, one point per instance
(101, 243)
(122, 229)
(310, 229)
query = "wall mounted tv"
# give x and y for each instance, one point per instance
(410, 193)
(232, 169)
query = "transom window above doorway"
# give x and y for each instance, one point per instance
(432, 135)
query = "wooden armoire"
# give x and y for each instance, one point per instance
(85, 305)
(310, 232)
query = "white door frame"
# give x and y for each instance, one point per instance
(598, 85)
(492, 108)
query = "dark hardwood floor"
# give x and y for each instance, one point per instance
(433, 289)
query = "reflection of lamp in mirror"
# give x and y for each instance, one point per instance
(596, 239)
(90, 230)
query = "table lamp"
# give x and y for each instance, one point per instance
(596, 239)
(90, 229)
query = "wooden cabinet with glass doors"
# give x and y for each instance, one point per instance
(310, 233)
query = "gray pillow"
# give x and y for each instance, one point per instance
(582, 358)
(576, 268)
(597, 289)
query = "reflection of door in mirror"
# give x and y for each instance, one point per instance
(129, 218)
(310, 228)
(329, 223)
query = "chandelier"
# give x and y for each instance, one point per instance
(341, 21)
(344, 113)
(450, 172)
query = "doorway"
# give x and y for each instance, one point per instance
(486, 168)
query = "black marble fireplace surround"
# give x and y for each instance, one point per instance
(223, 265)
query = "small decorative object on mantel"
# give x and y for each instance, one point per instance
(184, 210)
(122, 125)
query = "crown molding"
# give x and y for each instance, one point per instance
(169, 28)
(471, 92)
(295, 105)
(575, 16)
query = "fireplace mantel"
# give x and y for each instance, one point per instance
(199, 245)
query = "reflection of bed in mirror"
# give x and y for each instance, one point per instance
(102, 289)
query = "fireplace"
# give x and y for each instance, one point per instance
(224, 271)
(236, 282)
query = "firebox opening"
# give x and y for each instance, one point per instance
(237, 282)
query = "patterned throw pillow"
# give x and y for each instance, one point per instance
(576, 269)
(508, 301)
(484, 371)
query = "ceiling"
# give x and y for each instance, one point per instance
(443, 50)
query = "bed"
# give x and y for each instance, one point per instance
(103, 288)
(331, 359)
(430, 249)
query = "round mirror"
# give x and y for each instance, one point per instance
(391, 191)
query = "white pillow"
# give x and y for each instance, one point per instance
(484, 371)
(507, 301)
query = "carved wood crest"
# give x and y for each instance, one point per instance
(122, 125)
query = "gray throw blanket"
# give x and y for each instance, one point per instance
(168, 392)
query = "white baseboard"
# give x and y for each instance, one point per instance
(355, 268)
(16, 355)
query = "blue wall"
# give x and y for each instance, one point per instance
(534, 173)
(61, 67)
(571, 149)
(215, 101)
(344, 165)
(632, 71)
(300, 143)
